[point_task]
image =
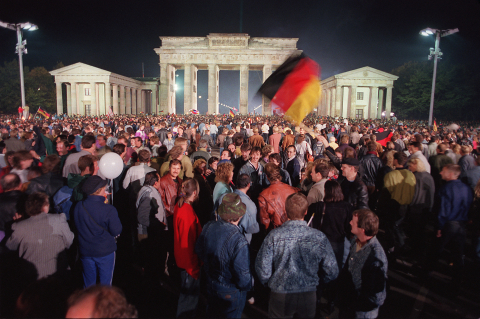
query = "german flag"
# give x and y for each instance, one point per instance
(43, 113)
(435, 126)
(294, 87)
(231, 113)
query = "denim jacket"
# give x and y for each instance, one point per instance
(225, 255)
(292, 256)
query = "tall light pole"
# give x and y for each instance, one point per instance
(20, 48)
(435, 54)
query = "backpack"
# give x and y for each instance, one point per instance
(62, 201)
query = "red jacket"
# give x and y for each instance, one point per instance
(186, 230)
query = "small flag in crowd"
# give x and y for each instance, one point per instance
(435, 126)
(110, 111)
(294, 87)
(383, 136)
(194, 111)
(231, 113)
(234, 109)
(43, 113)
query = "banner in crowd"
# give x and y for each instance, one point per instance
(231, 113)
(43, 113)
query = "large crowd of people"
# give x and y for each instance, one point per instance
(240, 201)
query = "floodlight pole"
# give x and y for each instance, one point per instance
(20, 48)
(435, 60)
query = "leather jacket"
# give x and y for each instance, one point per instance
(170, 190)
(371, 164)
(272, 204)
(355, 192)
(48, 183)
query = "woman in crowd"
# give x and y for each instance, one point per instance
(223, 178)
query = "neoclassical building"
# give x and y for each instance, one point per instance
(86, 90)
(361, 93)
(215, 52)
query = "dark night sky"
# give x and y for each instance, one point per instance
(340, 35)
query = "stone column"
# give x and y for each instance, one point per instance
(353, 101)
(213, 88)
(329, 98)
(243, 108)
(266, 106)
(140, 107)
(172, 108)
(122, 99)
(163, 98)
(101, 98)
(325, 109)
(59, 97)
(144, 101)
(68, 86)
(108, 100)
(373, 102)
(187, 89)
(93, 101)
(134, 101)
(388, 102)
(154, 101)
(73, 88)
(380, 104)
(338, 101)
(115, 99)
(333, 97)
(194, 87)
(128, 104)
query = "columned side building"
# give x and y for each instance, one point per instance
(86, 90)
(361, 93)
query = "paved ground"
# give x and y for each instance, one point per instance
(413, 293)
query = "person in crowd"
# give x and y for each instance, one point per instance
(362, 281)
(224, 251)
(202, 152)
(452, 206)
(467, 161)
(421, 206)
(135, 176)
(240, 161)
(248, 224)
(97, 226)
(276, 159)
(271, 201)
(319, 175)
(62, 151)
(100, 302)
(186, 230)
(274, 140)
(396, 195)
(415, 150)
(22, 160)
(437, 162)
(51, 179)
(170, 186)
(11, 205)
(87, 148)
(255, 170)
(169, 141)
(293, 166)
(223, 178)
(473, 174)
(43, 238)
(301, 252)
(204, 205)
(353, 188)
(256, 140)
(13, 143)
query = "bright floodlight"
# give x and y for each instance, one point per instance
(428, 31)
(33, 28)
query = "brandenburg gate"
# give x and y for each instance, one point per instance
(215, 52)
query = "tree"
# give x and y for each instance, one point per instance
(39, 88)
(455, 95)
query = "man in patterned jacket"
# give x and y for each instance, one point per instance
(290, 261)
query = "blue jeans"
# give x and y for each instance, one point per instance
(189, 295)
(101, 266)
(225, 302)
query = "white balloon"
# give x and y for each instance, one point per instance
(111, 165)
(453, 127)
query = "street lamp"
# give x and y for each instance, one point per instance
(20, 48)
(435, 54)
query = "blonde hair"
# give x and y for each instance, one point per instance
(419, 163)
(222, 174)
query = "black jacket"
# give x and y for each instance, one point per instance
(371, 164)
(354, 192)
(9, 202)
